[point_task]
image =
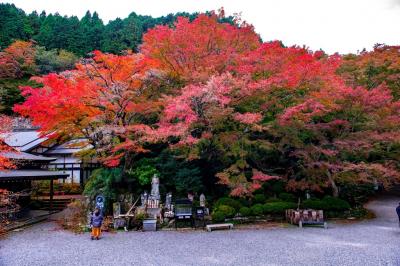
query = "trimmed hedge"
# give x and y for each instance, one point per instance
(287, 197)
(328, 203)
(257, 209)
(228, 211)
(278, 207)
(336, 204)
(245, 211)
(228, 202)
(244, 202)
(270, 200)
(259, 198)
(218, 217)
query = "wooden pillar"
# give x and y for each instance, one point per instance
(81, 174)
(72, 174)
(51, 193)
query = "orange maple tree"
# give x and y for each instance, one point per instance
(17, 60)
(98, 100)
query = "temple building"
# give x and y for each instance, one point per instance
(28, 141)
(28, 168)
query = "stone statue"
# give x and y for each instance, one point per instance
(155, 187)
(168, 200)
(202, 200)
(143, 198)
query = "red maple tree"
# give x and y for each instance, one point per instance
(195, 50)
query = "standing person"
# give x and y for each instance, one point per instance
(96, 221)
(398, 212)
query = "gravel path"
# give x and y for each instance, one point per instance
(375, 242)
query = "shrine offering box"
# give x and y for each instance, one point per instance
(150, 225)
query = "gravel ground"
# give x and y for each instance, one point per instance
(375, 242)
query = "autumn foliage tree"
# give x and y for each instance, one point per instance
(250, 111)
(371, 69)
(17, 60)
(348, 136)
(195, 50)
(98, 100)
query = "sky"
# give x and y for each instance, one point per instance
(344, 26)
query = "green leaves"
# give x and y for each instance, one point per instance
(144, 171)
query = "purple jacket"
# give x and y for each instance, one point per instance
(96, 220)
(398, 211)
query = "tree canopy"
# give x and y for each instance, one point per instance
(242, 111)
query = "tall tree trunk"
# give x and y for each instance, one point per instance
(335, 189)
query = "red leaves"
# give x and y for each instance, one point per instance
(196, 50)
(17, 60)
(303, 112)
(98, 101)
(276, 66)
(5, 127)
(61, 105)
(248, 118)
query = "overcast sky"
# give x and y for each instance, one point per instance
(332, 25)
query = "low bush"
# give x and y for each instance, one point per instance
(316, 204)
(270, 200)
(360, 213)
(278, 207)
(69, 188)
(357, 194)
(287, 197)
(245, 211)
(218, 217)
(328, 203)
(228, 211)
(335, 204)
(74, 217)
(244, 202)
(257, 209)
(228, 202)
(259, 198)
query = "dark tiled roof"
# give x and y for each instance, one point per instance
(26, 156)
(10, 175)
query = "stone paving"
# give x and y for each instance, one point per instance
(374, 242)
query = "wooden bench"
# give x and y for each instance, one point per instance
(211, 227)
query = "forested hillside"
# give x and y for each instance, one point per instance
(79, 36)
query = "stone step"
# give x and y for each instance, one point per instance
(58, 204)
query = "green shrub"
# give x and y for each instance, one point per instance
(259, 198)
(244, 202)
(218, 216)
(257, 209)
(335, 204)
(228, 202)
(328, 203)
(245, 211)
(228, 211)
(287, 197)
(356, 194)
(278, 207)
(270, 200)
(316, 204)
(360, 213)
